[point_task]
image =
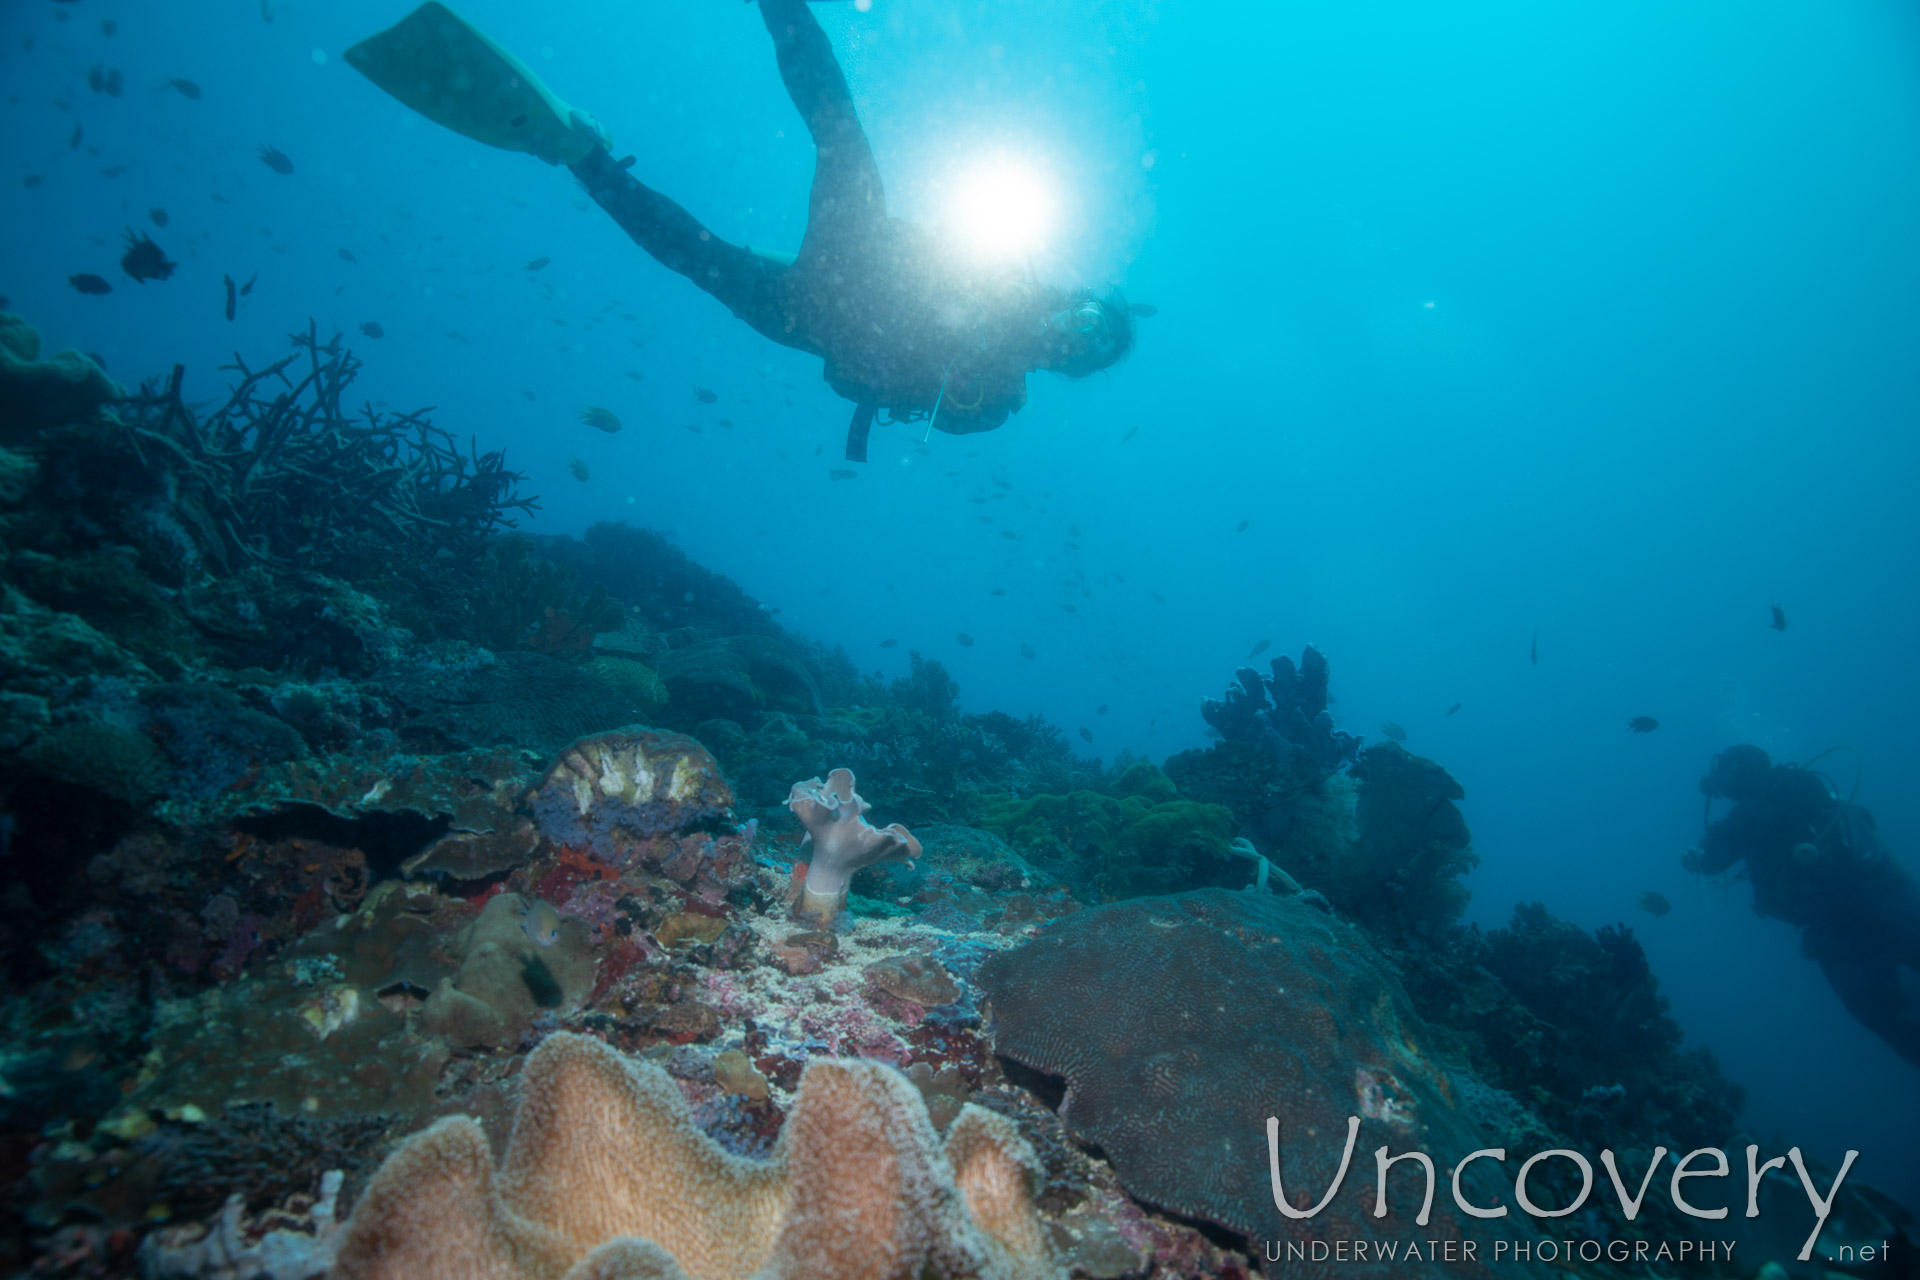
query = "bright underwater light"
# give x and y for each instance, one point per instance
(1003, 207)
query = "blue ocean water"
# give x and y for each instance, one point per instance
(1490, 322)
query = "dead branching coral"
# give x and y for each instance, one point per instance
(285, 475)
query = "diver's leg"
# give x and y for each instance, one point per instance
(1870, 986)
(847, 196)
(745, 283)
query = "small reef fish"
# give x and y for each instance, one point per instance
(998, 591)
(232, 295)
(87, 282)
(888, 643)
(600, 419)
(541, 922)
(1086, 733)
(1026, 651)
(538, 264)
(107, 80)
(1144, 310)
(696, 428)
(1455, 707)
(247, 288)
(1131, 433)
(346, 255)
(577, 468)
(143, 259)
(1643, 724)
(636, 375)
(1779, 622)
(372, 329)
(1654, 904)
(185, 88)
(1256, 651)
(841, 473)
(275, 159)
(1070, 608)
(1100, 710)
(1243, 526)
(964, 640)
(158, 215)
(1533, 654)
(705, 396)
(1392, 731)
(73, 143)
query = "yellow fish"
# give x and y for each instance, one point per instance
(600, 419)
(578, 468)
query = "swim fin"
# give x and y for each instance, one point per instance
(434, 61)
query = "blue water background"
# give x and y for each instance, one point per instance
(1489, 318)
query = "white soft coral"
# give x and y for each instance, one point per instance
(843, 841)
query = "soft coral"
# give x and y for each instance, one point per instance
(843, 841)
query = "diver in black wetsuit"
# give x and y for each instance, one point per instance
(1816, 861)
(903, 324)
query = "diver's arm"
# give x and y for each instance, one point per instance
(1718, 850)
(745, 282)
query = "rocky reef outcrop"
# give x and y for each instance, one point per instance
(1302, 1020)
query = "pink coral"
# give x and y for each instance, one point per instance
(843, 841)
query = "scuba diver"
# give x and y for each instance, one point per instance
(906, 326)
(1816, 861)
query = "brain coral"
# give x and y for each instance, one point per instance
(607, 1177)
(609, 790)
(1181, 1023)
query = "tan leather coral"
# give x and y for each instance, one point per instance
(606, 1177)
(843, 842)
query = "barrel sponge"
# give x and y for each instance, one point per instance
(607, 1177)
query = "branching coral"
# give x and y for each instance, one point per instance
(843, 841)
(607, 1177)
(282, 472)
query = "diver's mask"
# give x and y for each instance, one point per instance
(1086, 321)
